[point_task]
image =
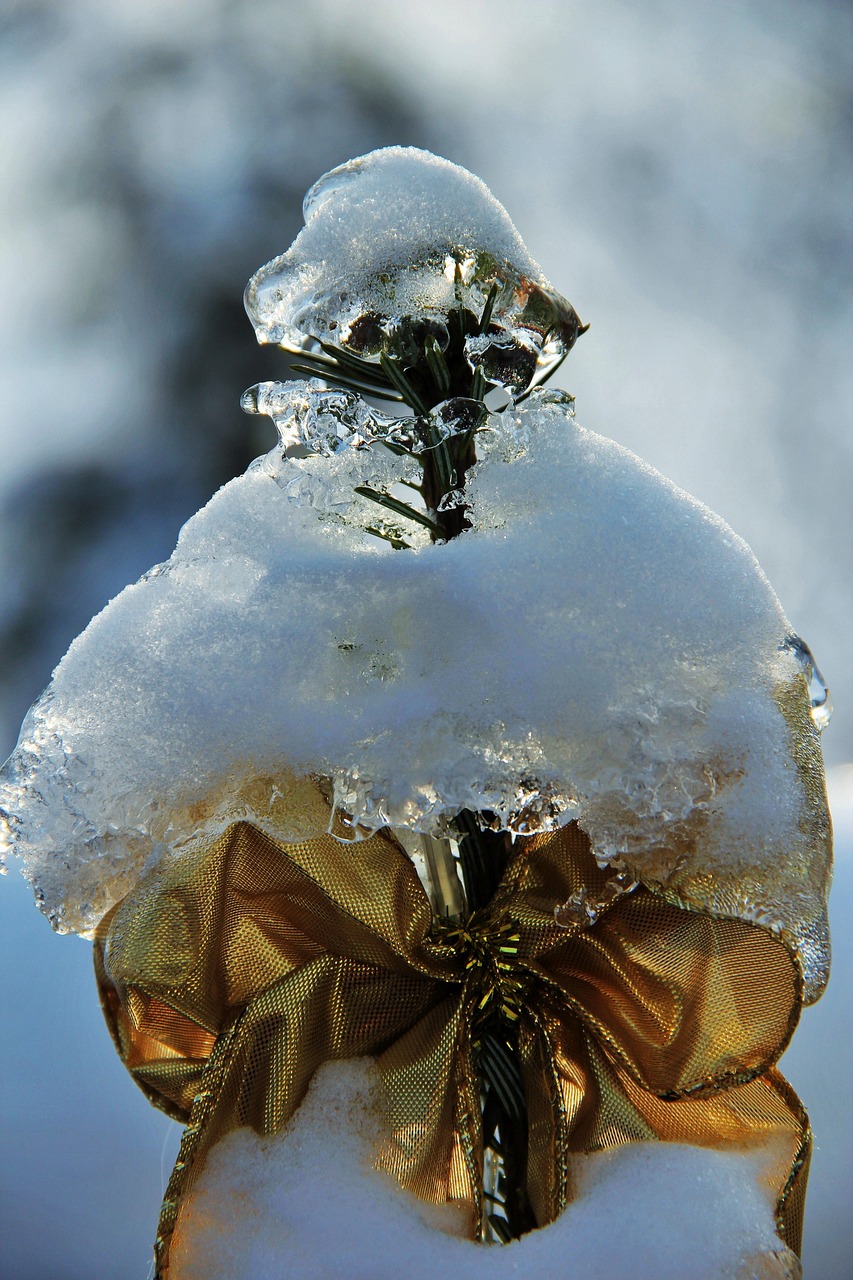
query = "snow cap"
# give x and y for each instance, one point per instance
(393, 242)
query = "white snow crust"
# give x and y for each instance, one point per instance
(598, 646)
(383, 235)
(309, 1199)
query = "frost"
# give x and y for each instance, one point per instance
(310, 1195)
(393, 241)
(598, 646)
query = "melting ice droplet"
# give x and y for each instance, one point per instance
(821, 702)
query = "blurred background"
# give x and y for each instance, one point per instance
(683, 174)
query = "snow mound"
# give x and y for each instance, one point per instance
(656, 1211)
(598, 646)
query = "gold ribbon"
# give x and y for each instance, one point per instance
(237, 969)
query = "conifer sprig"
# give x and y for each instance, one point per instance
(432, 374)
(441, 440)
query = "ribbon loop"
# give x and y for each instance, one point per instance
(231, 975)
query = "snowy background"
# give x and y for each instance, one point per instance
(682, 173)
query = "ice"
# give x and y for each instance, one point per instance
(308, 415)
(599, 645)
(309, 1195)
(393, 241)
(330, 431)
(593, 645)
(819, 699)
(584, 908)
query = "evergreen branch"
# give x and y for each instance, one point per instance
(444, 468)
(482, 857)
(399, 544)
(330, 373)
(501, 1228)
(460, 323)
(486, 317)
(465, 441)
(301, 353)
(396, 376)
(458, 283)
(399, 508)
(369, 370)
(501, 1072)
(333, 358)
(490, 1120)
(394, 447)
(437, 365)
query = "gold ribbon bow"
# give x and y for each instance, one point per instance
(231, 975)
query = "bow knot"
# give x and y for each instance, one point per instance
(232, 974)
(495, 975)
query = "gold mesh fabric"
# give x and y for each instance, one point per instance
(242, 965)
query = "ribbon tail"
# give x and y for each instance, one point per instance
(598, 1105)
(263, 1060)
(763, 1115)
(435, 1147)
(791, 1199)
(194, 1141)
(548, 1169)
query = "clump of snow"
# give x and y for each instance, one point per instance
(401, 236)
(655, 1211)
(598, 646)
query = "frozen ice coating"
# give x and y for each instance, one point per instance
(394, 240)
(588, 642)
(311, 1196)
(597, 646)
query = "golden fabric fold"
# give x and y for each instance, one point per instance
(244, 964)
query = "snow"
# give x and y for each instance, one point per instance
(598, 646)
(656, 1211)
(391, 237)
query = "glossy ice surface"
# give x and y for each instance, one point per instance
(393, 240)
